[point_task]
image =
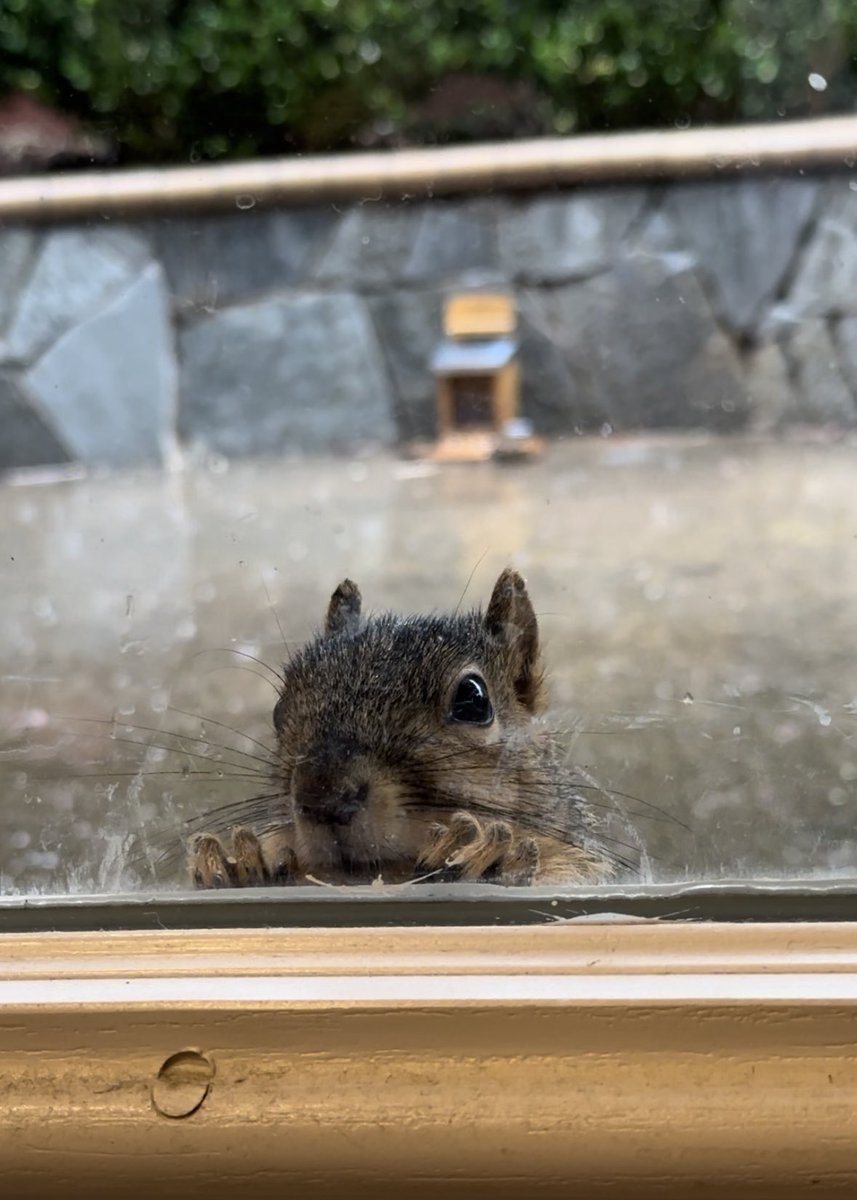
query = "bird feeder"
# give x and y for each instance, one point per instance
(477, 381)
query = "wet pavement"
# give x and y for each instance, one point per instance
(697, 601)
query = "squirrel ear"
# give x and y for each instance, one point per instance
(343, 612)
(510, 618)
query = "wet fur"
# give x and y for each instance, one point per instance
(363, 710)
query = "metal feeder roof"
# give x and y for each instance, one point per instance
(472, 356)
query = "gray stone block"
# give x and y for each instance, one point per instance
(216, 260)
(451, 238)
(77, 273)
(655, 233)
(823, 394)
(826, 280)
(409, 327)
(844, 333)
(371, 246)
(769, 388)
(744, 235)
(109, 385)
(26, 440)
(644, 348)
(568, 236)
(300, 372)
(552, 395)
(17, 246)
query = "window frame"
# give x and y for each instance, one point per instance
(654, 1056)
(825, 900)
(648, 1039)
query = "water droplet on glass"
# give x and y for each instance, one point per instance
(46, 860)
(245, 202)
(369, 51)
(44, 610)
(817, 82)
(131, 645)
(682, 122)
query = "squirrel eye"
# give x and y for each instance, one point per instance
(471, 703)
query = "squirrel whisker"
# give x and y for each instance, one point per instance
(280, 681)
(235, 808)
(408, 746)
(181, 737)
(268, 752)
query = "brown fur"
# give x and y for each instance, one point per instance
(378, 780)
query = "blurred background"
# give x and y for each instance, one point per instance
(222, 389)
(199, 80)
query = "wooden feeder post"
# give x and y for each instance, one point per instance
(477, 381)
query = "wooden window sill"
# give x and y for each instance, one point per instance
(599, 1058)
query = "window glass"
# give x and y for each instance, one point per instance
(220, 397)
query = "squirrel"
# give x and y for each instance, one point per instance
(409, 748)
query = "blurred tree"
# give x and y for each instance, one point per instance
(192, 79)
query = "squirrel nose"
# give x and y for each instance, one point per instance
(333, 806)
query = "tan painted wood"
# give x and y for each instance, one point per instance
(466, 446)
(476, 315)
(507, 393)
(479, 314)
(445, 406)
(640, 1060)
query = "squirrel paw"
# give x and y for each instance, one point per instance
(470, 849)
(212, 865)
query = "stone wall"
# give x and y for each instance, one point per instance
(723, 305)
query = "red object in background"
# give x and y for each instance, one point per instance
(34, 137)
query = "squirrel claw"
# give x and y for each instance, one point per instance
(520, 867)
(211, 866)
(469, 850)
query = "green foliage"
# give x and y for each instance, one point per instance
(187, 79)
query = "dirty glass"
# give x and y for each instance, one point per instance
(211, 416)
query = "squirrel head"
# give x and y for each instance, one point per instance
(387, 723)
